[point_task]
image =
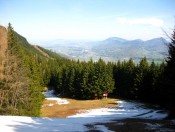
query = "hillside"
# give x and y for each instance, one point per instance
(112, 49)
(136, 49)
(31, 49)
(42, 52)
(24, 70)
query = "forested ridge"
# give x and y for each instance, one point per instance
(27, 70)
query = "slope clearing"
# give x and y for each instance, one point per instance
(52, 109)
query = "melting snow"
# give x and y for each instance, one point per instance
(77, 122)
(123, 110)
(48, 105)
(153, 126)
(51, 96)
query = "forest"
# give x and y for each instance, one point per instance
(27, 71)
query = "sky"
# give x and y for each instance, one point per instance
(46, 20)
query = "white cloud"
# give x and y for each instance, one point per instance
(141, 21)
(122, 20)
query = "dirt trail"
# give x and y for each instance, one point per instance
(42, 52)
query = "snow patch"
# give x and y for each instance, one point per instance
(51, 96)
(78, 122)
(157, 127)
(48, 105)
(101, 128)
(29, 124)
(151, 126)
(123, 110)
(173, 121)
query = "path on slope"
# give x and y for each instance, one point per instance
(126, 116)
(129, 116)
(42, 52)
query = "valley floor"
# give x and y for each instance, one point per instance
(125, 116)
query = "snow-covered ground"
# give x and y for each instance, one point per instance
(77, 122)
(123, 110)
(51, 96)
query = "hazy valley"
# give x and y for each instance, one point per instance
(111, 49)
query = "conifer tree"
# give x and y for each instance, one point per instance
(140, 79)
(16, 82)
(170, 75)
(21, 85)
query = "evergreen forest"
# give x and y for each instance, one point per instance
(27, 70)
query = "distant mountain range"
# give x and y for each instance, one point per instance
(111, 49)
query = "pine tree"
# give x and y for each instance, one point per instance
(140, 79)
(170, 75)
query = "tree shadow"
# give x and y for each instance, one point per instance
(27, 124)
(32, 125)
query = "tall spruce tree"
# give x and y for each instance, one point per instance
(170, 75)
(140, 79)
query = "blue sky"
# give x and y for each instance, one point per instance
(43, 20)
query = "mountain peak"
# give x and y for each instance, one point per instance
(116, 39)
(157, 40)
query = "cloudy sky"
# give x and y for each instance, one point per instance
(42, 20)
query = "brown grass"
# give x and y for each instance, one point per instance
(74, 107)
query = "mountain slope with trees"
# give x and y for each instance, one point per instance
(27, 70)
(20, 89)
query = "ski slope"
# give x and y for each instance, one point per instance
(123, 110)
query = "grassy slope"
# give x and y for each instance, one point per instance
(50, 53)
(74, 107)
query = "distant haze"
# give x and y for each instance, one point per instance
(111, 49)
(46, 20)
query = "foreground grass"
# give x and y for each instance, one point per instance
(62, 111)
